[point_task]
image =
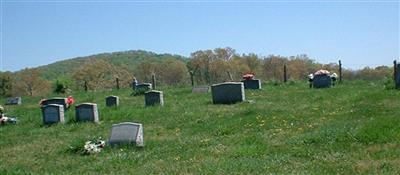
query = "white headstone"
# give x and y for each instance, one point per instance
(127, 133)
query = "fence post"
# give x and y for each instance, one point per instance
(117, 81)
(192, 78)
(86, 86)
(153, 80)
(230, 76)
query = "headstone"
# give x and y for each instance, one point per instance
(134, 83)
(127, 133)
(153, 98)
(14, 101)
(322, 81)
(87, 112)
(56, 100)
(143, 87)
(53, 113)
(252, 84)
(227, 93)
(398, 77)
(200, 89)
(112, 101)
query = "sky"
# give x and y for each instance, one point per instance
(360, 33)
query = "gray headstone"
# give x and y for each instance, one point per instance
(322, 81)
(87, 112)
(112, 101)
(143, 87)
(57, 100)
(398, 77)
(227, 93)
(127, 133)
(200, 89)
(153, 98)
(252, 84)
(53, 113)
(14, 101)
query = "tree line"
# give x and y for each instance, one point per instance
(206, 66)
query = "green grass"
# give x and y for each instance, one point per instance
(353, 128)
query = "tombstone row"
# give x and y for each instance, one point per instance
(54, 113)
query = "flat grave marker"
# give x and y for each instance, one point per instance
(14, 101)
(201, 89)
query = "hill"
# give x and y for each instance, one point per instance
(352, 128)
(125, 59)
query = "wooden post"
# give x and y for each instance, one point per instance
(153, 80)
(229, 75)
(284, 73)
(192, 78)
(117, 81)
(86, 86)
(340, 71)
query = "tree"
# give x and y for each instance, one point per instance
(6, 84)
(172, 72)
(29, 82)
(273, 67)
(99, 74)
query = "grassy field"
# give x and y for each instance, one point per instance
(353, 128)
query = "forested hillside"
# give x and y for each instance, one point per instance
(128, 60)
(101, 71)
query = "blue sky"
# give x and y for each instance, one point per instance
(360, 33)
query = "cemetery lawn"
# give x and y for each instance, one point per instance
(353, 128)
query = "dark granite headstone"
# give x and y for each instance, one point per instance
(112, 101)
(53, 113)
(153, 98)
(126, 133)
(322, 81)
(252, 84)
(56, 100)
(87, 112)
(201, 89)
(227, 93)
(143, 87)
(398, 77)
(14, 101)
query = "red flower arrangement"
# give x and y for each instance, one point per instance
(248, 76)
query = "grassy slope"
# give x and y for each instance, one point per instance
(352, 128)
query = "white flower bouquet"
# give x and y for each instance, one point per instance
(92, 147)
